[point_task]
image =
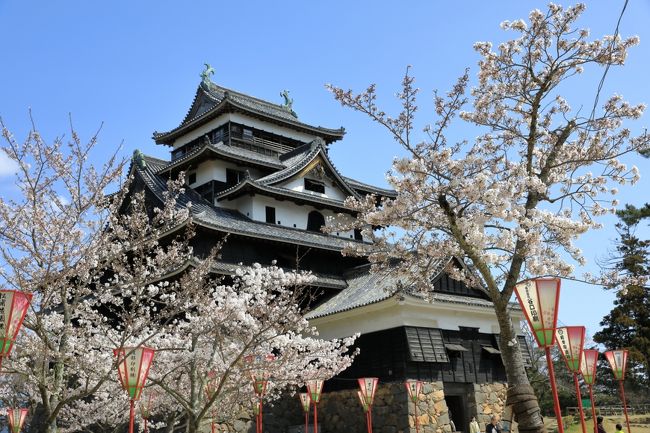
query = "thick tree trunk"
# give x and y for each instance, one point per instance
(520, 394)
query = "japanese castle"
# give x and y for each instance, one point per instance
(263, 177)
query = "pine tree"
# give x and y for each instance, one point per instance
(628, 324)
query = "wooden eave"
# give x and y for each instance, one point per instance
(209, 152)
(229, 106)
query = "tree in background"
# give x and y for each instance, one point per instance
(538, 376)
(628, 324)
(513, 200)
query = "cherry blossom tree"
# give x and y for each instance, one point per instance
(513, 200)
(50, 231)
(112, 271)
(230, 334)
(95, 265)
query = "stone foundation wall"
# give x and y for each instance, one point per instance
(341, 411)
(280, 415)
(393, 412)
(489, 399)
(432, 411)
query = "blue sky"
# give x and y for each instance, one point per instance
(135, 66)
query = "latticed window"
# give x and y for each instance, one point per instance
(426, 344)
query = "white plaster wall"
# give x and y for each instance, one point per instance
(331, 190)
(207, 171)
(288, 213)
(200, 131)
(216, 170)
(243, 204)
(391, 314)
(272, 128)
(244, 120)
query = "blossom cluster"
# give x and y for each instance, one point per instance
(514, 200)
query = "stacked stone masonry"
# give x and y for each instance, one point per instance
(490, 398)
(393, 412)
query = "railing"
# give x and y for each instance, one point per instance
(271, 145)
(257, 144)
(613, 410)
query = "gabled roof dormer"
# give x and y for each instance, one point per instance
(306, 166)
(309, 161)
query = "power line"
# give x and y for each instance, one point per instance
(602, 79)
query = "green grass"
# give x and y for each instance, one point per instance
(638, 424)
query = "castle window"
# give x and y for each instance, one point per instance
(247, 134)
(233, 177)
(270, 215)
(217, 135)
(315, 220)
(191, 178)
(357, 235)
(426, 344)
(314, 185)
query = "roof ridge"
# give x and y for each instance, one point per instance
(225, 89)
(290, 170)
(220, 98)
(318, 147)
(236, 186)
(155, 158)
(285, 192)
(295, 151)
(222, 149)
(355, 271)
(369, 186)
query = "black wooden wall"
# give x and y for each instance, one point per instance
(445, 284)
(386, 354)
(240, 249)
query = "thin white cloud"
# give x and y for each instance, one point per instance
(8, 167)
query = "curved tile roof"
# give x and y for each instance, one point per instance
(365, 187)
(287, 167)
(322, 280)
(211, 99)
(232, 221)
(364, 288)
(298, 162)
(291, 166)
(225, 151)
